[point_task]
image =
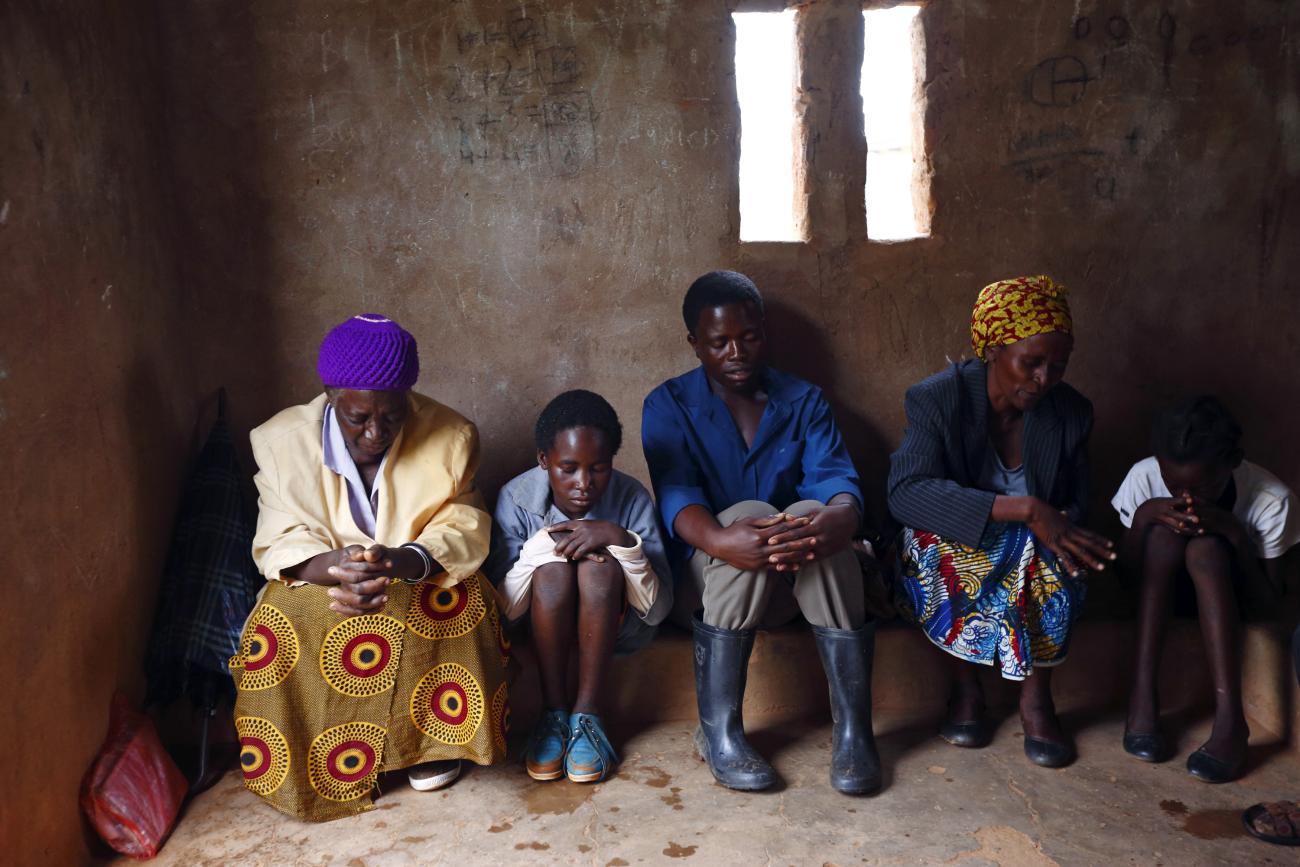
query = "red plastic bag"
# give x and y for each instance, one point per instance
(133, 790)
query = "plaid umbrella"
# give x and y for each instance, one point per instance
(209, 583)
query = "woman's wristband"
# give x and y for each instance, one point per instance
(425, 558)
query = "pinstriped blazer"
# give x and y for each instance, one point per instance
(934, 473)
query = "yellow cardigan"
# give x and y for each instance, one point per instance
(426, 492)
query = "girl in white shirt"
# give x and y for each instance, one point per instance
(1197, 509)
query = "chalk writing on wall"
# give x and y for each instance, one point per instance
(1064, 83)
(1058, 81)
(518, 94)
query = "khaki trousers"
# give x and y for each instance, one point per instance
(828, 592)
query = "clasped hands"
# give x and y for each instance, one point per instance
(1188, 515)
(588, 540)
(358, 576)
(786, 542)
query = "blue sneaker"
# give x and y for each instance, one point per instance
(547, 746)
(591, 757)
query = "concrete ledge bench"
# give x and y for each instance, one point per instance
(910, 681)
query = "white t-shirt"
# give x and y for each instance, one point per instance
(1265, 506)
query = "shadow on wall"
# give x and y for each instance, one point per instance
(217, 72)
(799, 345)
(152, 459)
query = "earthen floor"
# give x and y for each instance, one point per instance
(941, 805)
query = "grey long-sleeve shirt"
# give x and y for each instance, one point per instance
(525, 506)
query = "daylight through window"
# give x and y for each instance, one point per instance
(765, 68)
(893, 108)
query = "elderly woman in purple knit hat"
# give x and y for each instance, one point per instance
(376, 644)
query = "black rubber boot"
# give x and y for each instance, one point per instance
(721, 664)
(846, 656)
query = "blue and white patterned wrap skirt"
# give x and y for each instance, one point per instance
(1005, 603)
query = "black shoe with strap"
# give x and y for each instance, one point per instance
(721, 667)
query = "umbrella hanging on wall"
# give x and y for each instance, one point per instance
(209, 586)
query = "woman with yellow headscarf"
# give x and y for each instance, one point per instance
(991, 483)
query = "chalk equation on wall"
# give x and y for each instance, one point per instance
(1058, 81)
(1094, 46)
(518, 94)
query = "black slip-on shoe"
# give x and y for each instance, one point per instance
(1048, 754)
(972, 735)
(1148, 747)
(1211, 769)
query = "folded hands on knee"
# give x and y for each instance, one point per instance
(825, 531)
(1190, 516)
(588, 540)
(785, 542)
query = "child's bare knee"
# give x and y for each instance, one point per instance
(593, 573)
(1163, 543)
(553, 580)
(1208, 555)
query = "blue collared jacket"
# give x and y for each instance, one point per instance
(696, 454)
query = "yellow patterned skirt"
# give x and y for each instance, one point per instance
(327, 702)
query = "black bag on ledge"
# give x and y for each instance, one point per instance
(209, 586)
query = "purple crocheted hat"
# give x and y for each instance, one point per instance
(369, 352)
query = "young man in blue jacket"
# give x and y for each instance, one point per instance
(761, 502)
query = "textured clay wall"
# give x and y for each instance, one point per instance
(531, 186)
(95, 405)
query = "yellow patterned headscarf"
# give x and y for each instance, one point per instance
(1011, 310)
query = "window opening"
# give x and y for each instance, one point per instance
(765, 85)
(893, 114)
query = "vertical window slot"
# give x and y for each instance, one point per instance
(893, 109)
(765, 85)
